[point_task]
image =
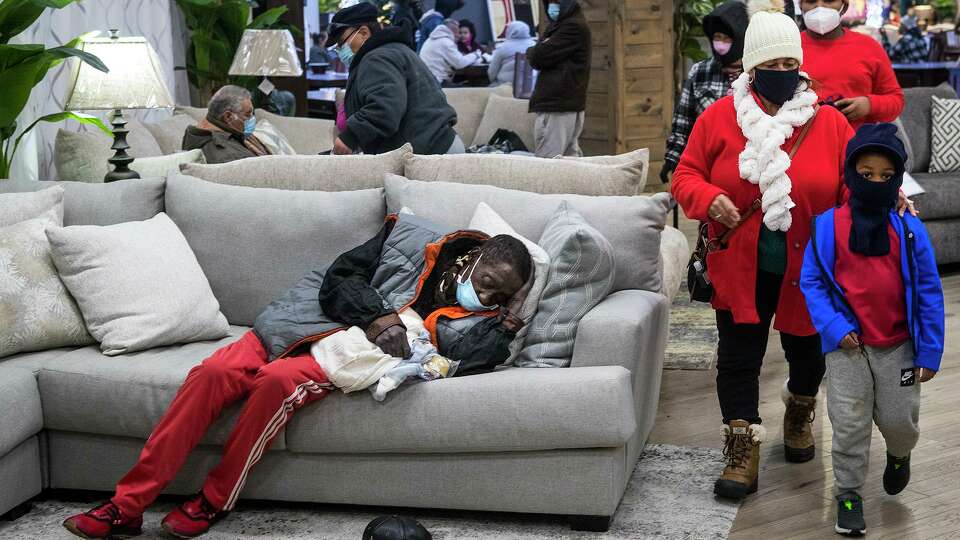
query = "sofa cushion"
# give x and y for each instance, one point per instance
(945, 135)
(525, 173)
(941, 199)
(36, 311)
(503, 112)
(916, 119)
(273, 139)
(159, 166)
(512, 409)
(253, 243)
(469, 103)
(34, 361)
(638, 159)
(169, 132)
(581, 275)
(20, 403)
(308, 136)
(17, 207)
(101, 204)
(83, 156)
(197, 113)
(85, 391)
(312, 173)
(631, 224)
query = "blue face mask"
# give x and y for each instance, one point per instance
(345, 52)
(467, 295)
(553, 11)
(249, 125)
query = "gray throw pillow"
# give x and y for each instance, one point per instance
(17, 207)
(632, 224)
(83, 156)
(581, 276)
(100, 204)
(36, 311)
(138, 284)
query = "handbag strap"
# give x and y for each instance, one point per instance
(756, 204)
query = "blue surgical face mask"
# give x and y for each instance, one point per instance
(467, 295)
(553, 11)
(249, 125)
(345, 52)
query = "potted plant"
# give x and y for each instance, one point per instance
(23, 66)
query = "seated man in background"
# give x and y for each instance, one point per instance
(391, 97)
(441, 55)
(226, 134)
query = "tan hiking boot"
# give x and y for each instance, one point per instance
(798, 445)
(741, 447)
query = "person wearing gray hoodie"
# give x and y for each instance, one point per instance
(503, 63)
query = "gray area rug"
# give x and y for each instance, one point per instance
(693, 334)
(670, 496)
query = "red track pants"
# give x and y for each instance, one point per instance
(274, 391)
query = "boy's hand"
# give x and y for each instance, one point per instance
(850, 341)
(904, 204)
(925, 374)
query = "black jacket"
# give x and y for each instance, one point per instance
(392, 99)
(347, 296)
(217, 146)
(730, 18)
(563, 58)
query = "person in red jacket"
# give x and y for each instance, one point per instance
(738, 154)
(851, 71)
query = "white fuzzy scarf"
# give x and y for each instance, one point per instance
(762, 161)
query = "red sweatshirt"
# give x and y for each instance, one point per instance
(709, 167)
(850, 66)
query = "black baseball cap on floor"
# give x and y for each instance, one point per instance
(396, 528)
(351, 17)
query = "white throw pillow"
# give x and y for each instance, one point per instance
(271, 137)
(160, 166)
(17, 207)
(485, 219)
(138, 284)
(36, 311)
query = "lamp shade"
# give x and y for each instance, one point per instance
(134, 81)
(267, 53)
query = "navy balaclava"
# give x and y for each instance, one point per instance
(730, 18)
(871, 202)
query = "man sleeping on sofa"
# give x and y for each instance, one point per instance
(226, 133)
(461, 288)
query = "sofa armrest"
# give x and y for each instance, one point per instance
(629, 328)
(674, 252)
(20, 401)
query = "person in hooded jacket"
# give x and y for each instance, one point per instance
(708, 80)
(441, 55)
(443, 10)
(560, 96)
(391, 97)
(465, 286)
(517, 40)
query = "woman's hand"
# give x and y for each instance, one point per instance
(925, 374)
(850, 341)
(904, 204)
(723, 211)
(854, 108)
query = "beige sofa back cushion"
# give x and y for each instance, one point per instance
(169, 132)
(506, 112)
(308, 136)
(311, 173)
(525, 173)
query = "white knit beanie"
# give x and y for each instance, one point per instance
(770, 35)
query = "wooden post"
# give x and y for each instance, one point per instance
(617, 120)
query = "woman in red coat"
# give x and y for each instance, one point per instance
(738, 154)
(851, 70)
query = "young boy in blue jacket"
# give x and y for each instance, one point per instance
(874, 294)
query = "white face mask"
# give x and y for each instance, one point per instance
(822, 20)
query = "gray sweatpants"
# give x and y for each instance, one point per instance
(557, 134)
(881, 388)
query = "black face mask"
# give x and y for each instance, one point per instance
(776, 86)
(870, 204)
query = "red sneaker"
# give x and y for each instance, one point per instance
(104, 521)
(192, 518)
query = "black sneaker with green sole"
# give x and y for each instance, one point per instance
(850, 515)
(897, 474)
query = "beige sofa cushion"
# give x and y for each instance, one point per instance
(308, 136)
(311, 173)
(83, 156)
(638, 160)
(526, 173)
(169, 132)
(197, 113)
(469, 104)
(503, 112)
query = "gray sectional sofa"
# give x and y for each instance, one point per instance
(553, 441)
(940, 205)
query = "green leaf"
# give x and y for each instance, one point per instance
(61, 53)
(268, 18)
(18, 82)
(17, 15)
(11, 55)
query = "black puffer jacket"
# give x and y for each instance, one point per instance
(563, 58)
(392, 99)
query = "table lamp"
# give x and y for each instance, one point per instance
(134, 82)
(266, 53)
